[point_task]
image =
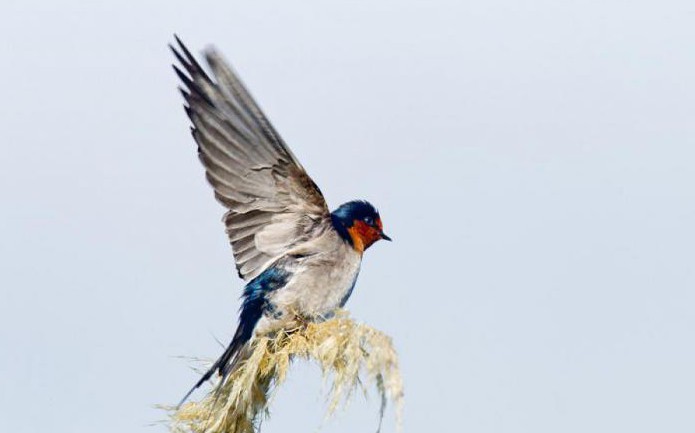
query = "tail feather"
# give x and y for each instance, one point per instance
(225, 364)
(255, 302)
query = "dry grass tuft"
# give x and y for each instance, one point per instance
(349, 354)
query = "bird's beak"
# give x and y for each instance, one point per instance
(384, 237)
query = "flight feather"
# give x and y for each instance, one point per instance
(273, 205)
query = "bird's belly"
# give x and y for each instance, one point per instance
(316, 291)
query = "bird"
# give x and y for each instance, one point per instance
(299, 260)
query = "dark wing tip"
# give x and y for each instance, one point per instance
(178, 40)
(193, 90)
(183, 77)
(188, 60)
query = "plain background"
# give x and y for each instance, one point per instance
(533, 162)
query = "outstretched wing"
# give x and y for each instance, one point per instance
(273, 203)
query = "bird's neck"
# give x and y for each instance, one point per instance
(341, 227)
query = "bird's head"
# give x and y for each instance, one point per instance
(359, 224)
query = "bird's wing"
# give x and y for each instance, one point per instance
(273, 203)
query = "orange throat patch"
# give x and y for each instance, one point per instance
(363, 236)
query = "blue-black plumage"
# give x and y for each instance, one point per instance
(255, 304)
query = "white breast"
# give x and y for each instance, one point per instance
(321, 281)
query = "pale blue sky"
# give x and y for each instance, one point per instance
(533, 162)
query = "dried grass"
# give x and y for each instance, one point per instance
(349, 354)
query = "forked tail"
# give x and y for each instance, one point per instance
(252, 308)
(231, 357)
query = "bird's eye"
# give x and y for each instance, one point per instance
(369, 220)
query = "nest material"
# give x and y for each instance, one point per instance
(349, 354)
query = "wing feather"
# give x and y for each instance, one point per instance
(273, 205)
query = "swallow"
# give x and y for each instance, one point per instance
(299, 260)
